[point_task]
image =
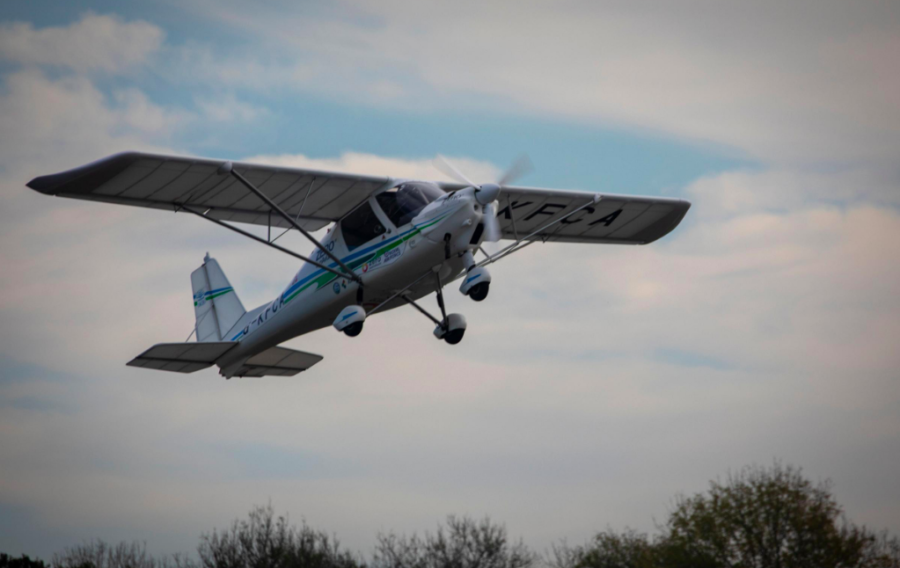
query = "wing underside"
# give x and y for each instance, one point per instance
(547, 215)
(314, 198)
(318, 198)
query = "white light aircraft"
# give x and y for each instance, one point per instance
(393, 241)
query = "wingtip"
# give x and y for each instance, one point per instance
(40, 184)
(48, 184)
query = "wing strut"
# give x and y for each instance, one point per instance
(263, 241)
(519, 242)
(228, 168)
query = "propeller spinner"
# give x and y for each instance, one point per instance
(486, 194)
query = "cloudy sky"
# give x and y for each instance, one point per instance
(593, 385)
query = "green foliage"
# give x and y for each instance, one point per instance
(759, 518)
(609, 549)
(767, 517)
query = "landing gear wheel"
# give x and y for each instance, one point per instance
(353, 329)
(455, 336)
(451, 329)
(479, 291)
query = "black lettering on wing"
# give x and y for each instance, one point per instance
(548, 209)
(607, 220)
(572, 220)
(515, 205)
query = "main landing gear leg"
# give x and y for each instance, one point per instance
(452, 328)
(440, 294)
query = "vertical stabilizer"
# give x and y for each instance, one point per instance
(216, 305)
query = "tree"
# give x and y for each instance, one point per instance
(609, 549)
(760, 517)
(464, 543)
(769, 517)
(99, 554)
(263, 541)
(7, 561)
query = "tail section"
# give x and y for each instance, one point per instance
(216, 305)
(217, 309)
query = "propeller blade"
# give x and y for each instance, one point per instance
(450, 170)
(491, 223)
(519, 168)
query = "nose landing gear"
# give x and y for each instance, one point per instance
(451, 329)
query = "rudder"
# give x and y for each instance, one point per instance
(216, 305)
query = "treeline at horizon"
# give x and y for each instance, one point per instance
(760, 517)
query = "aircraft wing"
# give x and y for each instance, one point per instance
(615, 219)
(318, 198)
(166, 182)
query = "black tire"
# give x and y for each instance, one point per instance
(354, 329)
(479, 291)
(455, 336)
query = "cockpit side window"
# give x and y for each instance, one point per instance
(403, 203)
(361, 226)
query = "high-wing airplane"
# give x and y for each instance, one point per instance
(392, 242)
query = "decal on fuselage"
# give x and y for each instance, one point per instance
(320, 254)
(374, 256)
(389, 257)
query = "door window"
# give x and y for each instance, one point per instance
(361, 226)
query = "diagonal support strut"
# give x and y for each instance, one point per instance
(228, 168)
(261, 240)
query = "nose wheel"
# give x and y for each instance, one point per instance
(452, 327)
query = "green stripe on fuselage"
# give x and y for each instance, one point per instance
(327, 277)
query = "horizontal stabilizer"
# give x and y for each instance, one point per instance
(182, 357)
(278, 361)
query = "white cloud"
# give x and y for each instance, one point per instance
(228, 108)
(809, 82)
(358, 163)
(66, 122)
(93, 43)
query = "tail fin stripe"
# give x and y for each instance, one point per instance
(213, 293)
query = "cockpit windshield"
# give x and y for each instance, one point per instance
(404, 202)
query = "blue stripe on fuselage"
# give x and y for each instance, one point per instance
(352, 256)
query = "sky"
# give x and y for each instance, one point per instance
(594, 384)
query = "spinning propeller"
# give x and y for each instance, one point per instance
(487, 193)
